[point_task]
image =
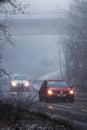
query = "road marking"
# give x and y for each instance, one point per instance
(66, 107)
(84, 110)
(51, 107)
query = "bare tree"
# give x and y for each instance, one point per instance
(7, 8)
(76, 43)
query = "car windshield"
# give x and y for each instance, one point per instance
(20, 77)
(57, 84)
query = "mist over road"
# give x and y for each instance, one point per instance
(34, 55)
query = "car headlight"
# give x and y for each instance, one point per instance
(26, 84)
(71, 92)
(13, 84)
(49, 92)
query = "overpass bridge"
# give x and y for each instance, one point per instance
(36, 24)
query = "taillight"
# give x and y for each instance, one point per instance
(71, 92)
(49, 92)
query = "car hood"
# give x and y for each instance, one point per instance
(58, 89)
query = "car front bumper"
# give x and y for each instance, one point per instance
(19, 89)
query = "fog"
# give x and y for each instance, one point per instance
(49, 4)
(33, 54)
(46, 5)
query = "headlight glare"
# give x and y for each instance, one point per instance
(26, 84)
(71, 92)
(50, 92)
(13, 84)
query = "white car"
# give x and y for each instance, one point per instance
(19, 82)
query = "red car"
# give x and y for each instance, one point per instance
(56, 90)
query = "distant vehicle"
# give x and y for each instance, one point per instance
(19, 83)
(56, 90)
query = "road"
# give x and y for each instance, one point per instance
(76, 111)
(78, 108)
(64, 113)
(74, 106)
(78, 105)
